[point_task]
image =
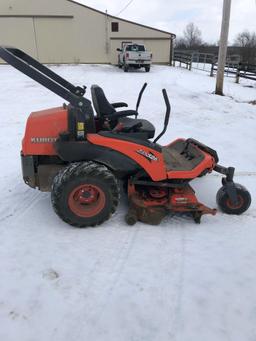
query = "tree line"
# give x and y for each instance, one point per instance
(245, 42)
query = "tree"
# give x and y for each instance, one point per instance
(247, 42)
(192, 36)
(246, 39)
(180, 43)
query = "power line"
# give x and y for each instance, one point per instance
(126, 6)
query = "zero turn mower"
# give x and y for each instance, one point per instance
(81, 157)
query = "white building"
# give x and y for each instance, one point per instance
(64, 31)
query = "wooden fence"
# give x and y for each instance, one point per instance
(247, 71)
(183, 58)
(209, 63)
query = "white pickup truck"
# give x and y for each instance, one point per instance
(134, 55)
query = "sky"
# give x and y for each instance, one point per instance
(173, 15)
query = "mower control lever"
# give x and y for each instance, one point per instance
(167, 115)
(139, 98)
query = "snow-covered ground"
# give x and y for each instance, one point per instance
(177, 281)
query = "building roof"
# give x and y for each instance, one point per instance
(118, 18)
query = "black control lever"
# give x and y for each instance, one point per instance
(139, 98)
(167, 115)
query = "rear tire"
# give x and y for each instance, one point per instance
(147, 68)
(225, 204)
(126, 68)
(85, 194)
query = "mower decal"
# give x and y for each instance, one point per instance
(43, 139)
(150, 156)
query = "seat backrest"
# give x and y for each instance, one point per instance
(100, 102)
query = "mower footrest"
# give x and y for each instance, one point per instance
(180, 157)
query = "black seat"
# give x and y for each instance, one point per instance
(106, 110)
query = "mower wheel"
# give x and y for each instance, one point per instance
(225, 204)
(85, 194)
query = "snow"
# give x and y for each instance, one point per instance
(177, 281)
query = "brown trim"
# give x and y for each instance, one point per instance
(117, 18)
(37, 16)
(142, 38)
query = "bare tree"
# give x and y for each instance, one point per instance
(192, 36)
(246, 39)
(247, 42)
(180, 43)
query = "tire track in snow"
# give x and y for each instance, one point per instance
(116, 266)
(177, 257)
(27, 201)
(112, 278)
(177, 324)
(174, 249)
(242, 173)
(120, 264)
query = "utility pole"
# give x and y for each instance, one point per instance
(223, 46)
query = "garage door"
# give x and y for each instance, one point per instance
(55, 37)
(18, 32)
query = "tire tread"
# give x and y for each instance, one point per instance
(83, 169)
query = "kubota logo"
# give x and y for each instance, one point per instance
(43, 139)
(148, 155)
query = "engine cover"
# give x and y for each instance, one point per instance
(42, 130)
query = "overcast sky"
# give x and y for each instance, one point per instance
(173, 15)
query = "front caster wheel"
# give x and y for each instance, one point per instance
(226, 205)
(85, 194)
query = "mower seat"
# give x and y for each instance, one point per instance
(106, 110)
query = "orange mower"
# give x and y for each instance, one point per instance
(83, 158)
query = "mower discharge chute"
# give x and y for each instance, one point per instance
(81, 157)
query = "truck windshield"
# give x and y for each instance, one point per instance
(135, 48)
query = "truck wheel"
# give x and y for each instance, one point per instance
(225, 204)
(85, 194)
(126, 68)
(147, 68)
